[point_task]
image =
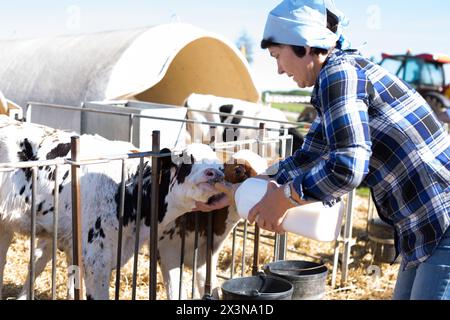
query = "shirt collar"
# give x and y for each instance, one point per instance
(335, 55)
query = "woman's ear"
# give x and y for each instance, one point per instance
(308, 50)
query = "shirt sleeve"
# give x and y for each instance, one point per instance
(345, 123)
(313, 149)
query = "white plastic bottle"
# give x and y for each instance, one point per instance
(314, 220)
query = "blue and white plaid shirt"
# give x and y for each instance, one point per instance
(373, 127)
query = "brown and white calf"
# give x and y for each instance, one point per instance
(183, 180)
(245, 164)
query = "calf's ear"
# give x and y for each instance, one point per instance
(166, 162)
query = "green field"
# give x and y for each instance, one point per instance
(363, 192)
(291, 107)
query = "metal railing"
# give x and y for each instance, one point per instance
(76, 163)
(258, 144)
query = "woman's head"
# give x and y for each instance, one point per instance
(300, 51)
(300, 38)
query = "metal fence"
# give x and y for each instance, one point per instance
(278, 147)
(76, 163)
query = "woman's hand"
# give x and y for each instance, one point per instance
(269, 213)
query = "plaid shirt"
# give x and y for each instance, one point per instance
(373, 127)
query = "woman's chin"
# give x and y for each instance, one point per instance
(300, 85)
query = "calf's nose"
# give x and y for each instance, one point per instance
(214, 174)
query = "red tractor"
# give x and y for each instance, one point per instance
(424, 72)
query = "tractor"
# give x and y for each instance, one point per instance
(425, 73)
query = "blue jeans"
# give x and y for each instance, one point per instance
(430, 280)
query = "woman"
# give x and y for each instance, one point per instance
(371, 127)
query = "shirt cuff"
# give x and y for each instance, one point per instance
(298, 187)
(297, 184)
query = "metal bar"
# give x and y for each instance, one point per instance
(283, 239)
(138, 224)
(335, 264)
(33, 233)
(282, 243)
(120, 231)
(233, 252)
(76, 219)
(82, 119)
(239, 116)
(11, 166)
(256, 244)
(244, 247)
(194, 263)
(55, 230)
(282, 145)
(209, 252)
(228, 125)
(131, 129)
(212, 137)
(347, 237)
(230, 144)
(276, 248)
(183, 245)
(156, 146)
(29, 164)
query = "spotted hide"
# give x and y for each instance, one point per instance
(183, 180)
(234, 107)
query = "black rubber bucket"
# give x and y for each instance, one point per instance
(308, 278)
(381, 236)
(259, 287)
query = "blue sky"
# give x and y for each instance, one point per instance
(386, 26)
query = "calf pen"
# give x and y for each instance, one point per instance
(279, 147)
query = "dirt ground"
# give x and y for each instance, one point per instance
(362, 285)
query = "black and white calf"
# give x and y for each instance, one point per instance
(235, 107)
(246, 164)
(181, 184)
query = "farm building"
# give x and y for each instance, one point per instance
(161, 64)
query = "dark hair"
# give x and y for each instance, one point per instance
(300, 51)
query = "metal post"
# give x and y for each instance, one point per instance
(156, 147)
(282, 244)
(209, 252)
(194, 263)
(183, 245)
(244, 247)
(138, 223)
(335, 263)
(33, 233)
(76, 218)
(276, 248)
(131, 129)
(261, 152)
(256, 251)
(55, 231)
(213, 137)
(233, 252)
(120, 231)
(347, 237)
(210, 227)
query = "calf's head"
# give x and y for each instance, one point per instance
(183, 179)
(187, 178)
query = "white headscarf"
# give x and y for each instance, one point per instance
(304, 23)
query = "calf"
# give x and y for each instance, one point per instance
(182, 182)
(235, 107)
(246, 164)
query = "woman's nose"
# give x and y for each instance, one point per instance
(280, 69)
